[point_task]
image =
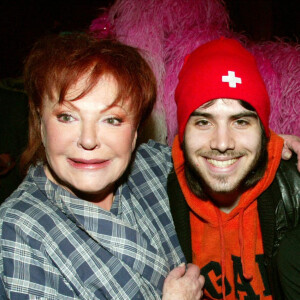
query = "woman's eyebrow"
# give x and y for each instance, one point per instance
(68, 104)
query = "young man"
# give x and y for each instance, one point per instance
(232, 198)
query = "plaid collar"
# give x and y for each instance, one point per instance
(119, 232)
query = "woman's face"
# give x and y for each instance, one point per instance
(88, 145)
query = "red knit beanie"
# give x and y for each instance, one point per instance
(221, 68)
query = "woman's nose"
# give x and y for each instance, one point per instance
(88, 138)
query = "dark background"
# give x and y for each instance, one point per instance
(22, 22)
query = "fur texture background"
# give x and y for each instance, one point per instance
(167, 30)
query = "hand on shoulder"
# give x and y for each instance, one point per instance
(184, 283)
(291, 143)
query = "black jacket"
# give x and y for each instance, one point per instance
(278, 208)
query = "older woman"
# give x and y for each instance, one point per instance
(86, 223)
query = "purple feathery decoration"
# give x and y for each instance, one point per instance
(101, 26)
(280, 68)
(167, 30)
(139, 24)
(192, 23)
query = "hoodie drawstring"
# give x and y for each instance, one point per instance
(242, 244)
(223, 268)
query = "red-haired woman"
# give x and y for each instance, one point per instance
(88, 222)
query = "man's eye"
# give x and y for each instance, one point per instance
(242, 122)
(113, 121)
(202, 123)
(65, 118)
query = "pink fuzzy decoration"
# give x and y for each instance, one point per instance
(139, 24)
(199, 22)
(167, 30)
(101, 26)
(279, 64)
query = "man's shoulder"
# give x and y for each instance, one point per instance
(286, 183)
(285, 190)
(288, 174)
(290, 163)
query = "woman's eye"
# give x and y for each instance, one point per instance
(113, 121)
(65, 118)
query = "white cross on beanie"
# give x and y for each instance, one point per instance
(231, 79)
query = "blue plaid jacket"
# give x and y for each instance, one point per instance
(56, 246)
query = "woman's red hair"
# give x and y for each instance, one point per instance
(57, 62)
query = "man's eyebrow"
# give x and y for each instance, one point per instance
(251, 114)
(244, 114)
(200, 114)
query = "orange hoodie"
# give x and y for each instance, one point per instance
(228, 247)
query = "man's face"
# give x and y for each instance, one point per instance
(222, 144)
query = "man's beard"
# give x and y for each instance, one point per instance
(199, 187)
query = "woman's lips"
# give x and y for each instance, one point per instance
(90, 164)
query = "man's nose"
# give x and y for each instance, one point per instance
(222, 139)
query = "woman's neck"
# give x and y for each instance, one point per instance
(103, 198)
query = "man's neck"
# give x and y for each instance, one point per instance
(226, 202)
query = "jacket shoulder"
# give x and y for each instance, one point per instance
(288, 180)
(288, 175)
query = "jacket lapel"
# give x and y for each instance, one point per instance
(266, 211)
(180, 213)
